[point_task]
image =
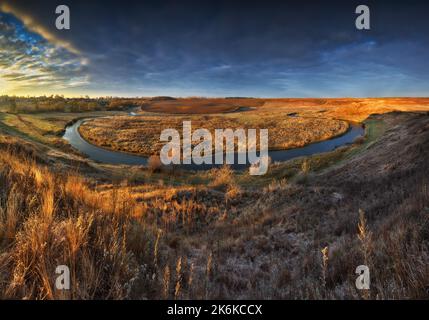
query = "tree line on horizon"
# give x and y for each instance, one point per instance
(58, 103)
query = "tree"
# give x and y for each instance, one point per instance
(12, 105)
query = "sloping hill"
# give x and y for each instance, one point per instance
(277, 243)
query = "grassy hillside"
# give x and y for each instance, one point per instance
(200, 105)
(299, 235)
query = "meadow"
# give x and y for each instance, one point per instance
(141, 135)
(299, 232)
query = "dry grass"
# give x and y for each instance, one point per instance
(125, 239)
(351, 109)
(48, 220)
(140, 135)
(291, 122)
(199, 105)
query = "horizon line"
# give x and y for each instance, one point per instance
(204, 97)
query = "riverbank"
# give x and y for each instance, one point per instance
(94, 152)
(140, 135)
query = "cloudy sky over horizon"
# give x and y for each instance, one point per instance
(214, 48)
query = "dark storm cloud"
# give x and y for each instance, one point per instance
(264, 48)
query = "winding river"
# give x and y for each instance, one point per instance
(95, 153)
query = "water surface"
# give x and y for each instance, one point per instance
(93, 152)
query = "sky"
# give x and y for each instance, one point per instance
(214, 48)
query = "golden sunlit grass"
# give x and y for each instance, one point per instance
(291, 122)
(199, 105)
(141, 134)
(351, 109)
(104, 236)
(52, 219)
(131, 233)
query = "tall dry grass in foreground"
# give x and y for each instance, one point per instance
(113, 242)
(222, 240)
(49, 219)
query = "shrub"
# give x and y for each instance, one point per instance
(223, 178)
(154, 163)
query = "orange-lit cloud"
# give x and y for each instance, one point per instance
(33, 61)
(33, 26)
